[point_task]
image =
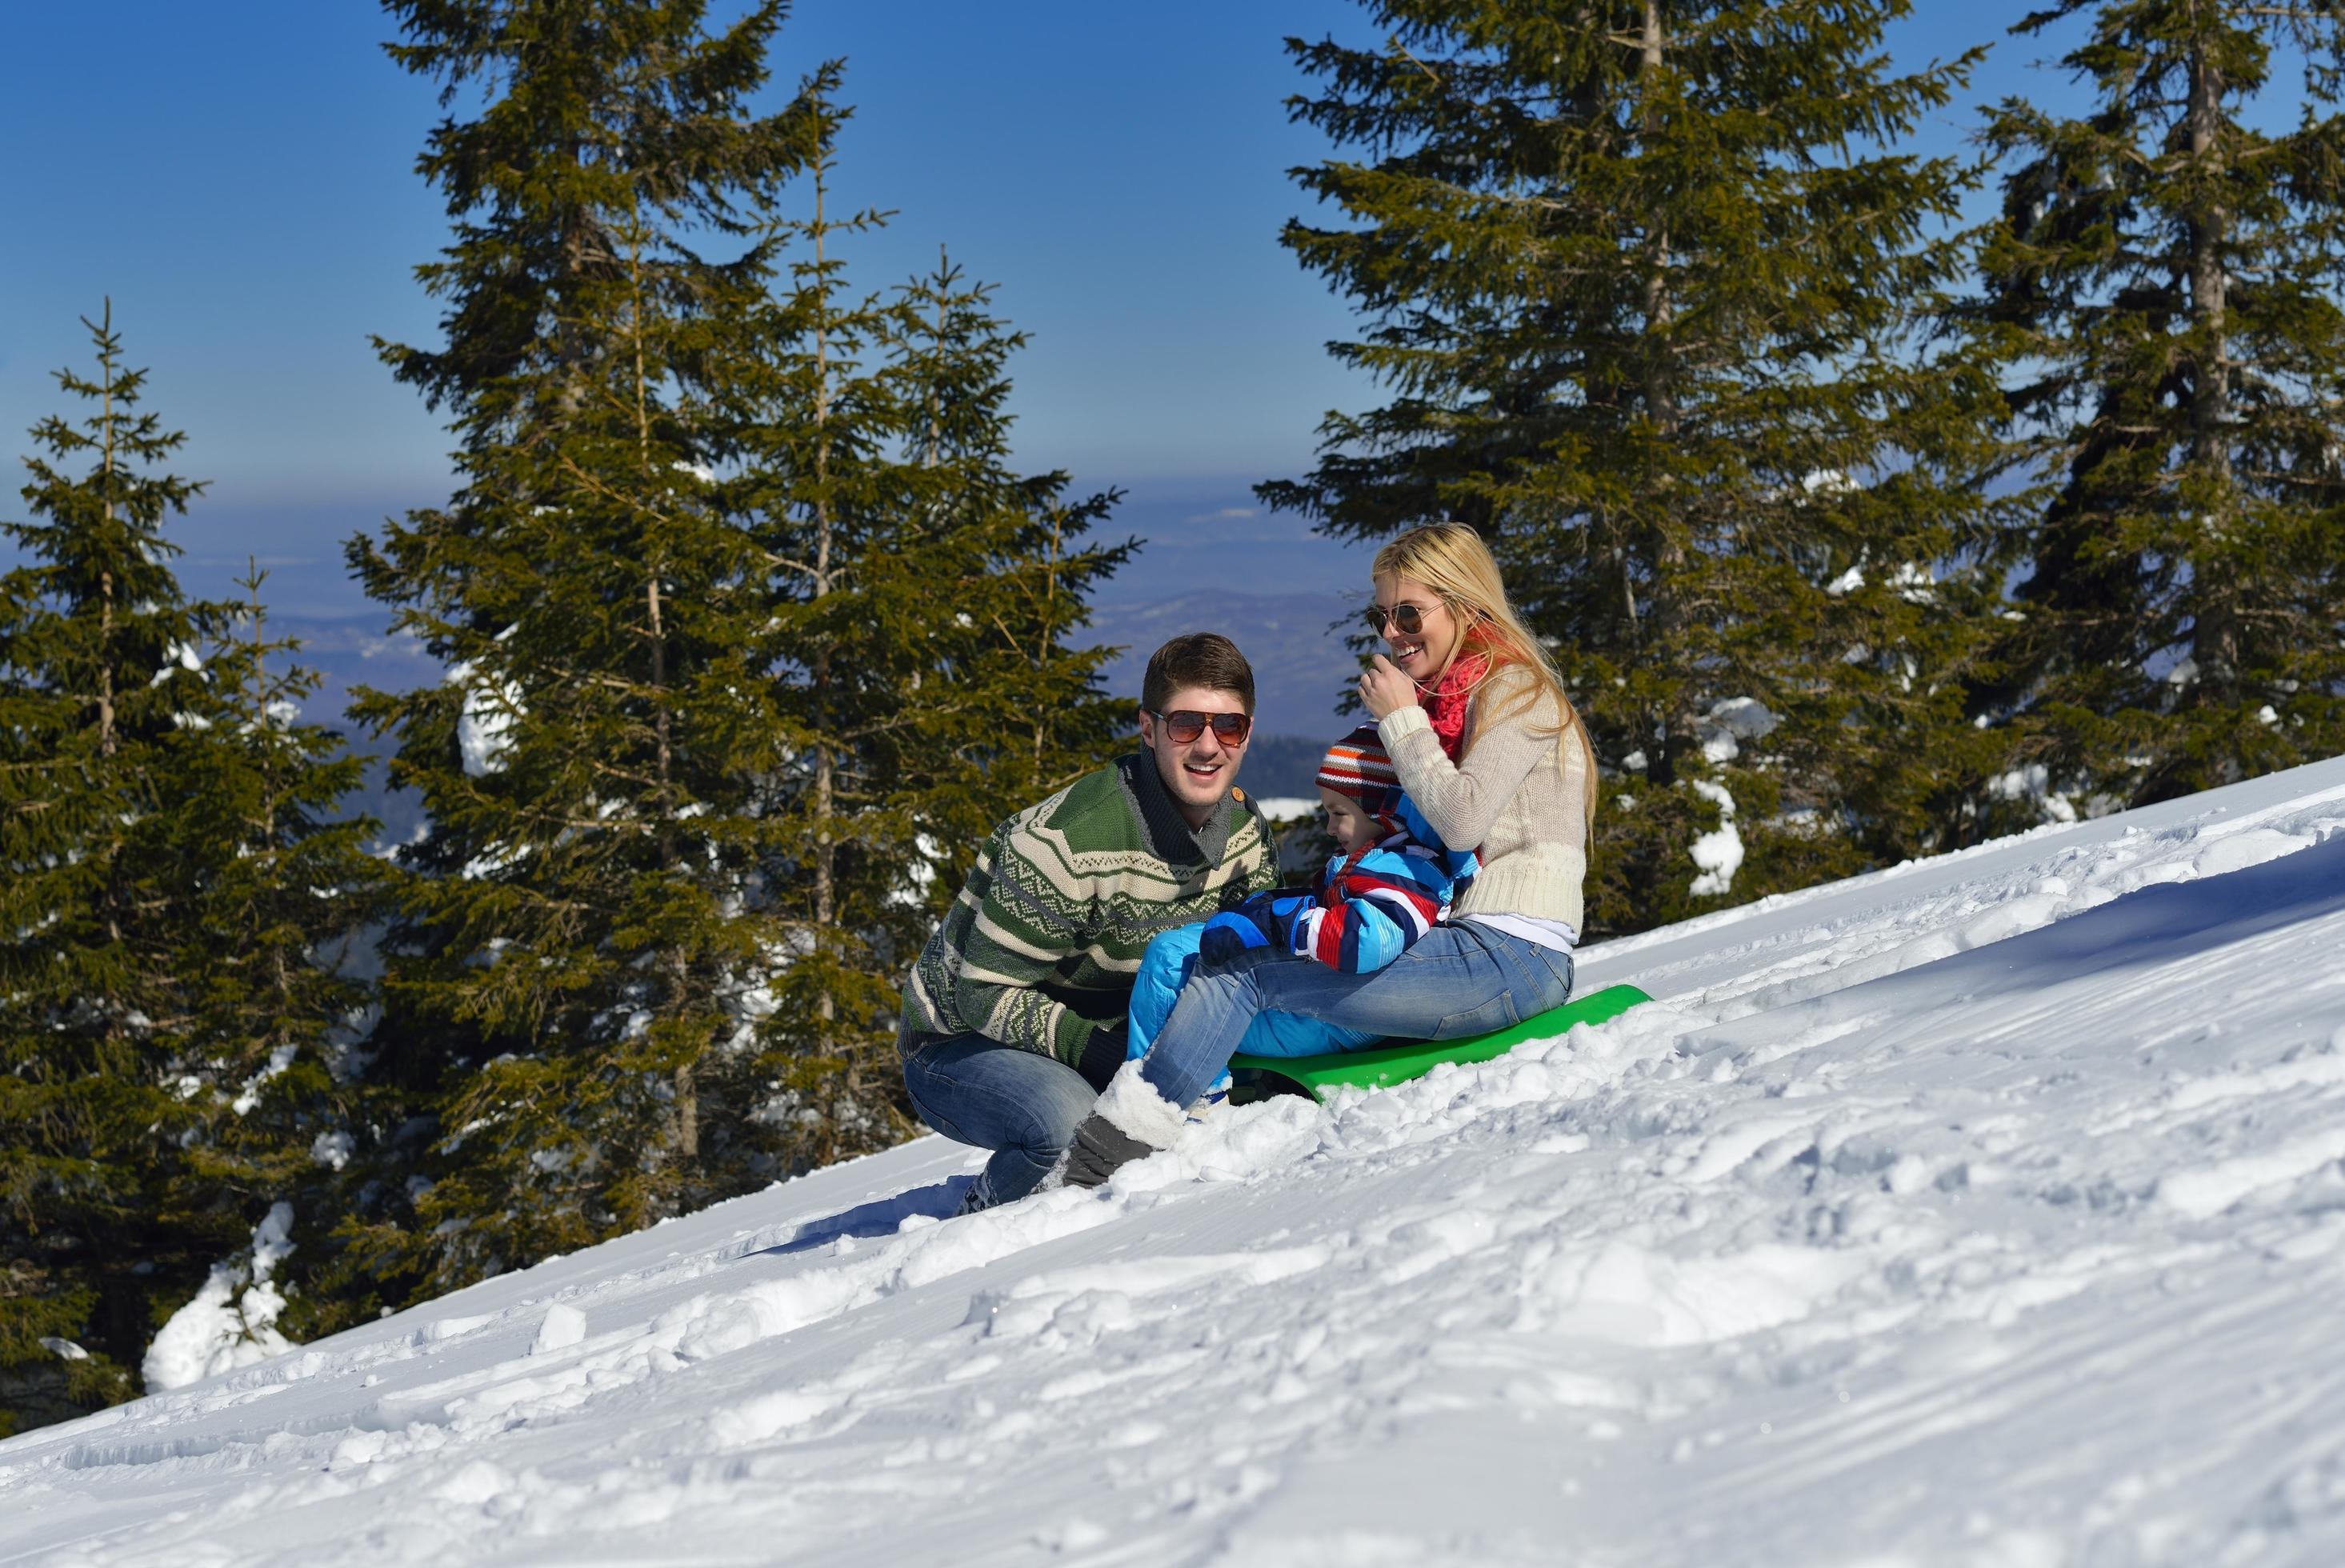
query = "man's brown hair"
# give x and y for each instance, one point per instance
(1203, 659)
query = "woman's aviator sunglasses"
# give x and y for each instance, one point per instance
(1184, 725)
(1408, 620)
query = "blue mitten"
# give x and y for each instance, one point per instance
(1261, 927)
(1232, 940)
(1276, 913)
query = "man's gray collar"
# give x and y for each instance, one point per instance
(1170, 837)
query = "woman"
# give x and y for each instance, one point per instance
(1489, 749)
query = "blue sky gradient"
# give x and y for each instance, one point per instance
(241, 179)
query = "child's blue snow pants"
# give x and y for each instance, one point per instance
(1165, 967)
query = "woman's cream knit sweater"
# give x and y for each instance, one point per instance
(1520, 799)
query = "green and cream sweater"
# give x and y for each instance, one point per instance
(1039, 949)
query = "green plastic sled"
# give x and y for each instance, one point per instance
(1259, 1078)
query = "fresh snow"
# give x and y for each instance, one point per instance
(1731, 721)
(1717, 853)
(484, 724)
(2034, 781)
(1985, 1211)
(228, 1324)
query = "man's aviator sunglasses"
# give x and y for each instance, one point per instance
(1184, 725)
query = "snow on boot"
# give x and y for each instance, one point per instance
(1216, 1096)
(1131, 1122)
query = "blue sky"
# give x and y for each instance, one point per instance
(239, 178)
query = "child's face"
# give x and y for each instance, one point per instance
(1351, 828)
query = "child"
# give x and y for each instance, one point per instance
(1391, 883)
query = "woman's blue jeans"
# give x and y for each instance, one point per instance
(1459, 979)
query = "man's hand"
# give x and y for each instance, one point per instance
(1110, 1043)
(1384, 690)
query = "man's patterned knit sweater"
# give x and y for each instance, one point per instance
(1039, 949)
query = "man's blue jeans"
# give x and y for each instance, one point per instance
(1458, 980)
(1022, 1105)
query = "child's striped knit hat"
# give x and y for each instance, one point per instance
(1359, 768)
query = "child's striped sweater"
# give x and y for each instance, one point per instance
(1370, 909)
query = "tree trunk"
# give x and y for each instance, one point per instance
(106, 739)
(826, 892)
(1666, 537)
(678, 963)
(2215, 635)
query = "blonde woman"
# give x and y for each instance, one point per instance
(1489, 747)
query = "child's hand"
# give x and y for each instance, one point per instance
(1261, 927)
(1232, 941)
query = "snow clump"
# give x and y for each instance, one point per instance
(217, 1332)
(2033, 781)
(1731, 721)
(1719, 853)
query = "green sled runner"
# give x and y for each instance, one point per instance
(1259, 1078)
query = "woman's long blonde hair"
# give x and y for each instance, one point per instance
(1451, 560)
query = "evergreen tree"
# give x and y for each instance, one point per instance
(819, 412)
(2163, 280)
(1651, 303)
(579, 934)
(98, 660)
(923, 597)
(1014, 708)
(166, 875)
(276, 959)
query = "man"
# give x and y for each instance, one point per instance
(1014, 1017)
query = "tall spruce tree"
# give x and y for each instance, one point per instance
(1647, 280)
(819, 413)
(278, 960)
(924, 600)
(165, 876)
(579, 941)
(690, 593)
(98, 659)
(2164, 280)
(1008, 565)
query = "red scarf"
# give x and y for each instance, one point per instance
(1445, 703)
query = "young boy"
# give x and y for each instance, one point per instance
(1392, 881)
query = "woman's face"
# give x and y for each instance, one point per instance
(1422, 655)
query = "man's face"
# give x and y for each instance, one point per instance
(1199, 773)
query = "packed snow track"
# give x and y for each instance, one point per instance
(1986, 1210)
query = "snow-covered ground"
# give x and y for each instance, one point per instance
(1988, 1211)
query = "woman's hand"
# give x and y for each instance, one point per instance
(1383, 689)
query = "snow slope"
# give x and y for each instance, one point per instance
(1986, 1210)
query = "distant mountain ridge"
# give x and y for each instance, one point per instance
(1301, 670)
(1295, 641)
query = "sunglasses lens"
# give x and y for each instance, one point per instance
(1183, 727)
(1405, 619)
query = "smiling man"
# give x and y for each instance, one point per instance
(1014, 1018)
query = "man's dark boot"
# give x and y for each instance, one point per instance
(1132, 1122)
(1100, 1148)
